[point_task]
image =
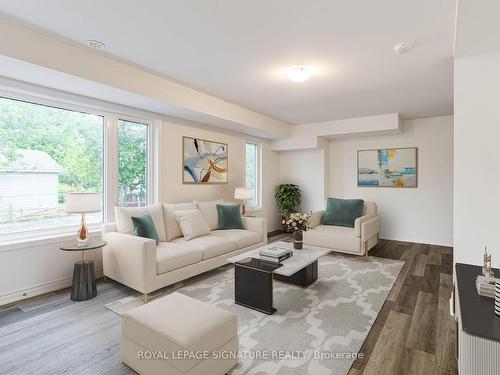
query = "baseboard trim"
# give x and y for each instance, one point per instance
(274, 233)
(36, 290)
(417, 240)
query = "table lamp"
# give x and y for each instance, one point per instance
(243, 194)
(83, 203)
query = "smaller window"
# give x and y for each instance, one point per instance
(252, 173)
(133, 163)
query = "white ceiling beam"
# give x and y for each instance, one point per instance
(60, 65)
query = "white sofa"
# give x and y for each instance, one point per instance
(358, 240)
(143, 265)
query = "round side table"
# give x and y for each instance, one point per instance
(84, 285)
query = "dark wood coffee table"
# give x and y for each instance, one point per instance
(253, 277)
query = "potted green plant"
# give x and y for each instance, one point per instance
(288, 198)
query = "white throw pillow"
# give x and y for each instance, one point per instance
(171, 225)
(209, 211)
(192, 224)
(124, 224)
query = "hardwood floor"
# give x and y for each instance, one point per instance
(413, 333)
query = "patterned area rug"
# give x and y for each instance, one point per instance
(315, 330)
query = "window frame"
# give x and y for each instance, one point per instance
(111, 113)
(150, 155)
(258, 174)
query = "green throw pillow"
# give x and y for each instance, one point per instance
(229, 216)
(144, 227)
(342, 212)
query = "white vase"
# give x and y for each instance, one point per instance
(497, 298)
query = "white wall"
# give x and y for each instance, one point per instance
(306, 168)
(170, 163)
(424, 214)
(477, 132)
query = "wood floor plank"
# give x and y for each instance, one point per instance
(393, 295)
(417, 362)
(387, 355)
(419, 264)
(373, 336)
(445, 289)
(422, 333)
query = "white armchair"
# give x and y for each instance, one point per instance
(358, 240)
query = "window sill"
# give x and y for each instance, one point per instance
(256, 210)
(56, 238)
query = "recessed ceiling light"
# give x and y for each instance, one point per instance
(95, 44)
(298, 73)
(402, 47)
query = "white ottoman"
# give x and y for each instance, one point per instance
(180, 335)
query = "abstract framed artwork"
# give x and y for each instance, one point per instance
(388, 167)
(204, 162)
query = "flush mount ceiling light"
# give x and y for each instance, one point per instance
(298, 73)
(95, 44)
(403, 47)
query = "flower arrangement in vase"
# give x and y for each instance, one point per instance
(297, 223)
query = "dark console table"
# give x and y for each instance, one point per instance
(478, 333)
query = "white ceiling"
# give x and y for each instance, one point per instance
(237, 49)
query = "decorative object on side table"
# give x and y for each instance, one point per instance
(243, 194)
(497, 298)
(84, 285)
(82, 203)
(487, 264)
(297, 223)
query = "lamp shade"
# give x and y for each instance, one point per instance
(83, 202)
(243, 193)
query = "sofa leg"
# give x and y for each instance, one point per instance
(365, 248)
(145, 298)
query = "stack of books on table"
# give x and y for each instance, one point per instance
(275, 254)
(486, 286)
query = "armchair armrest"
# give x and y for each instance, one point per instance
(370, 228)
(129, 259)
(359, 221)
(256, 224)
(316, 218)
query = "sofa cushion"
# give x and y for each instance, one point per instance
(144, 227)
(333, 237)
(242, 237)
(192, 224)
(209, 211)
(172, 228)
(171, 256)
(210, 245)
(342, 212)
(123, 218)
(178, 323)
(229, 216)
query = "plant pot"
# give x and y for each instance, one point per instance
(297, 239)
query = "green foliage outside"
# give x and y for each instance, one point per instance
(76, 141)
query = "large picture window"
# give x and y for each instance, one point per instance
(46, 151)
(252, 173)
